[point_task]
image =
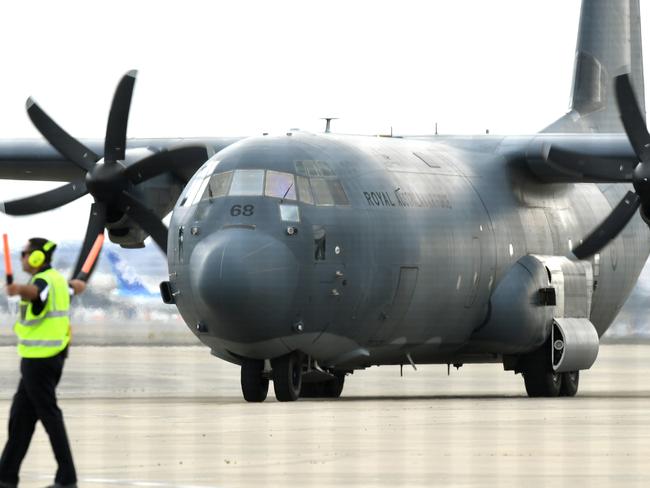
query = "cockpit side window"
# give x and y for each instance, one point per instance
(304, 191)
(192, 188)
(337, 192)
(322, 194)
(280, 185)
(317, 184)
(217, 186)
(198, 183)
(247, 182)
(200, 191)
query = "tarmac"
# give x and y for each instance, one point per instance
(174, 417)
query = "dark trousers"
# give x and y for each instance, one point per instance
(36, 400)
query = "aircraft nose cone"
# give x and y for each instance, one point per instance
(245, 281)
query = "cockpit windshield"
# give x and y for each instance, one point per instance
(323, 188)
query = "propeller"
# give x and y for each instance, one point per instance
(637, 133)
(107, 178)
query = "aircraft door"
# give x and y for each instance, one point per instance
(329, 291)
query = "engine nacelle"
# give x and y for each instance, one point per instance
(535, 291)
(574, 344)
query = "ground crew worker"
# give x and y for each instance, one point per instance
(43, 331)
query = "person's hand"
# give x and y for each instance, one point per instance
(78, 286)
(13, 289)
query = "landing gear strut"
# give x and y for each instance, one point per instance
(254, 385)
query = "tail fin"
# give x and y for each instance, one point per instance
(609, 44)
(128, 283)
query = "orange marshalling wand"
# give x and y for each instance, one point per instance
(92, 257)
(8, 270)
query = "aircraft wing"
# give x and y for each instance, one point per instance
(35, 159)
(581, 158)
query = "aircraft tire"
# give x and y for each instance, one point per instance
(542, 382)
(334, 387)
(570, 382)
(312, 390)
(287, 377)
(324, 389)
(253, 385)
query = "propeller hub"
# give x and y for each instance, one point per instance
(106, 182)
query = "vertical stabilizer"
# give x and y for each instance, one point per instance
(609, 44)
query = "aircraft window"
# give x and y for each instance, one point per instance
(313, 168)
(289, 213)
(217, 186)
(319, 242)
(324, 169)
(210, 166)
(322, 195)
(336, 189)
(201, 191)
(280, 185)
(247, 182)
(303, 190)
(193, 187)
(328, 192)
(196, 184)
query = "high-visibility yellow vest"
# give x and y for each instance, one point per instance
(48, 333)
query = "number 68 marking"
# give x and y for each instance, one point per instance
(245, 210)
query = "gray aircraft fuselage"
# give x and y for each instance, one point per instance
(404, 269)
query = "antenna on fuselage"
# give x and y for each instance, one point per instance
(328, 121)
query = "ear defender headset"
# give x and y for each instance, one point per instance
(37, 257)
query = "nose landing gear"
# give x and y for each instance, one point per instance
(294, 375)
(331, 388)
(254, 382)
(287, 376)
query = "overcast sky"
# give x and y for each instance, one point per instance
(245, 67)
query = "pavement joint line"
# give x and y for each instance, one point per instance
(127, 482)
(155, 484)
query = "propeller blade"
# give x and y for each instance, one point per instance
(145, 218)
(118, 119)
(610, 227)
(45, 201)
(68, 146)
(96, 224)
(590, 167)
(632, 118)
(165, 161)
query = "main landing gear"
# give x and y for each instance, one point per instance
(542, 381)
(294, 375)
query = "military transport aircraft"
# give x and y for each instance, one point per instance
(304, 257)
